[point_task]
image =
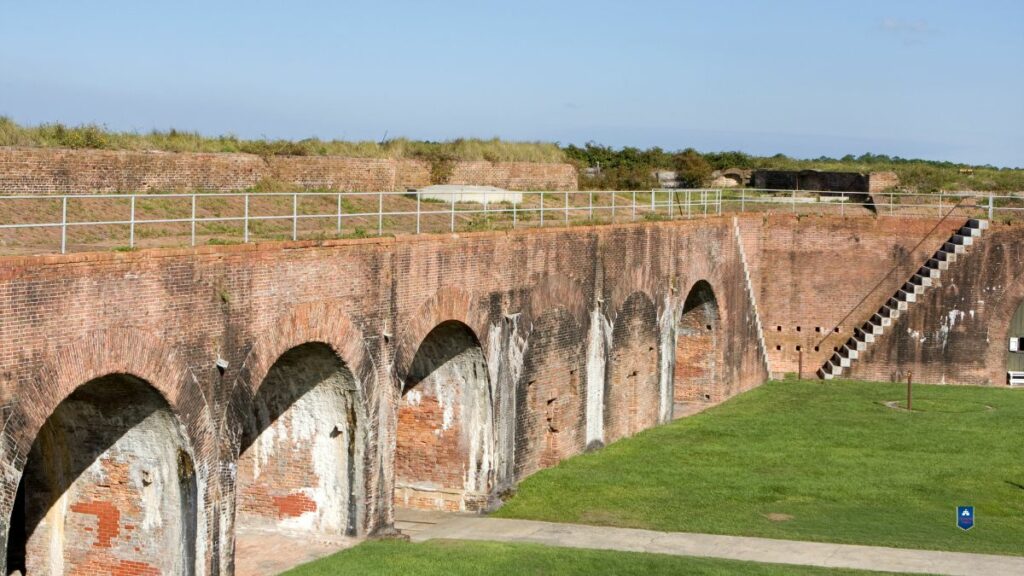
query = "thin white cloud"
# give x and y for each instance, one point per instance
(909, 31)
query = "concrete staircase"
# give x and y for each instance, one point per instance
(902, 300)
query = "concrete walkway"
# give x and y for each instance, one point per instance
(728, 547)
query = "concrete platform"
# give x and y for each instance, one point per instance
(461, 193)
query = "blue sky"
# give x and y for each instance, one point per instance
(931, 79)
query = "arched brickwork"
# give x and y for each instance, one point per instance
(326, 323)
(447, 304)
(444, 455)
(65, 368)
(632, 393)
(698, 350)
(300, 467)
(550, 394)
(110, 459)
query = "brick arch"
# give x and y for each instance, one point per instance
(713, 284)
(558, 291)
(324, 322)
(102, 353)
(632, 385)
(447, 304)
(699, 330)
(114, 351)
(550, 396)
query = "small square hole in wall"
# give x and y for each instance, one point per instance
(836, 329)
(797, 348)
(778, 348)
(816, 348)
(817, 329)
(778, 328)
(797, 328)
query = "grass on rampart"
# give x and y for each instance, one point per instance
(810, 461)
(91, 136)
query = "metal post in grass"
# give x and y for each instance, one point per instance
(541, 209)
(671, 208)
(380, 213)
(245, 221)
(63, 224)
(991, 206)
(590, 203)
(842, 205)
(417, 211)
(453, 213)
(743, 200)
(634, 205)
(515, 216)
(295, 217)
(910, 378)
(193, 220)
(131, 226)
(613, 207)
(339, 213)
(794, 201)
(567, 208)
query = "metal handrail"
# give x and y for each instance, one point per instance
(904, 261)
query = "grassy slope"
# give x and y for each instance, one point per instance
(831, 456)
(450, 558)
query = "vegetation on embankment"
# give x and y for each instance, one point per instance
(625, 168)
(91, 136)
(802, 460)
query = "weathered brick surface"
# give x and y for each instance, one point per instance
(956, 333)
(528, 297)
(62, 171)
(814, 274)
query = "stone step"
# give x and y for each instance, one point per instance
(906, 296)
(977, 223)
(922, 280)
(956, 248)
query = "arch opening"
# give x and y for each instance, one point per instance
(550, 399)
(632, 391)
(298, 468)
(109, 486)
(445, 438)
(696, 375)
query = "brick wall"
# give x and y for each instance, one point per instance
(570, 330)
(810, 275)
(61, 171)
(882, 181)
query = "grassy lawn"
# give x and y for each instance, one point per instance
(810, 461)
(453, 557)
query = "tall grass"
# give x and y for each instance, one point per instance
(57, 135)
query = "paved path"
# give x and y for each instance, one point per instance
(270, 552)
(729, 547)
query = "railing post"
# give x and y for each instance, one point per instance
(794, 201)
(339, 213)
(743, 200)
(417, 211)
(515, 215)
(652, 200)
(193, 220)
(380, 213)
(719, 201)
(613, 207)
(671, 202)
(541, 209)
(63, 224)
(704, 201)
(634, 205)
(131, 226)
(689, 202)
(590, 203)
(991, 207)
(566, 207)
(842, 205)
(453, 213)
(245, 220)
(295, 217)
(940, 202)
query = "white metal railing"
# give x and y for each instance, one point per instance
(411, 212)
(546, 207)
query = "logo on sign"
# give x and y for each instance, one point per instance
(965, 517)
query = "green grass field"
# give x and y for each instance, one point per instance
(452, 557)
(810, 461)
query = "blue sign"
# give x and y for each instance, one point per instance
(965, 517)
